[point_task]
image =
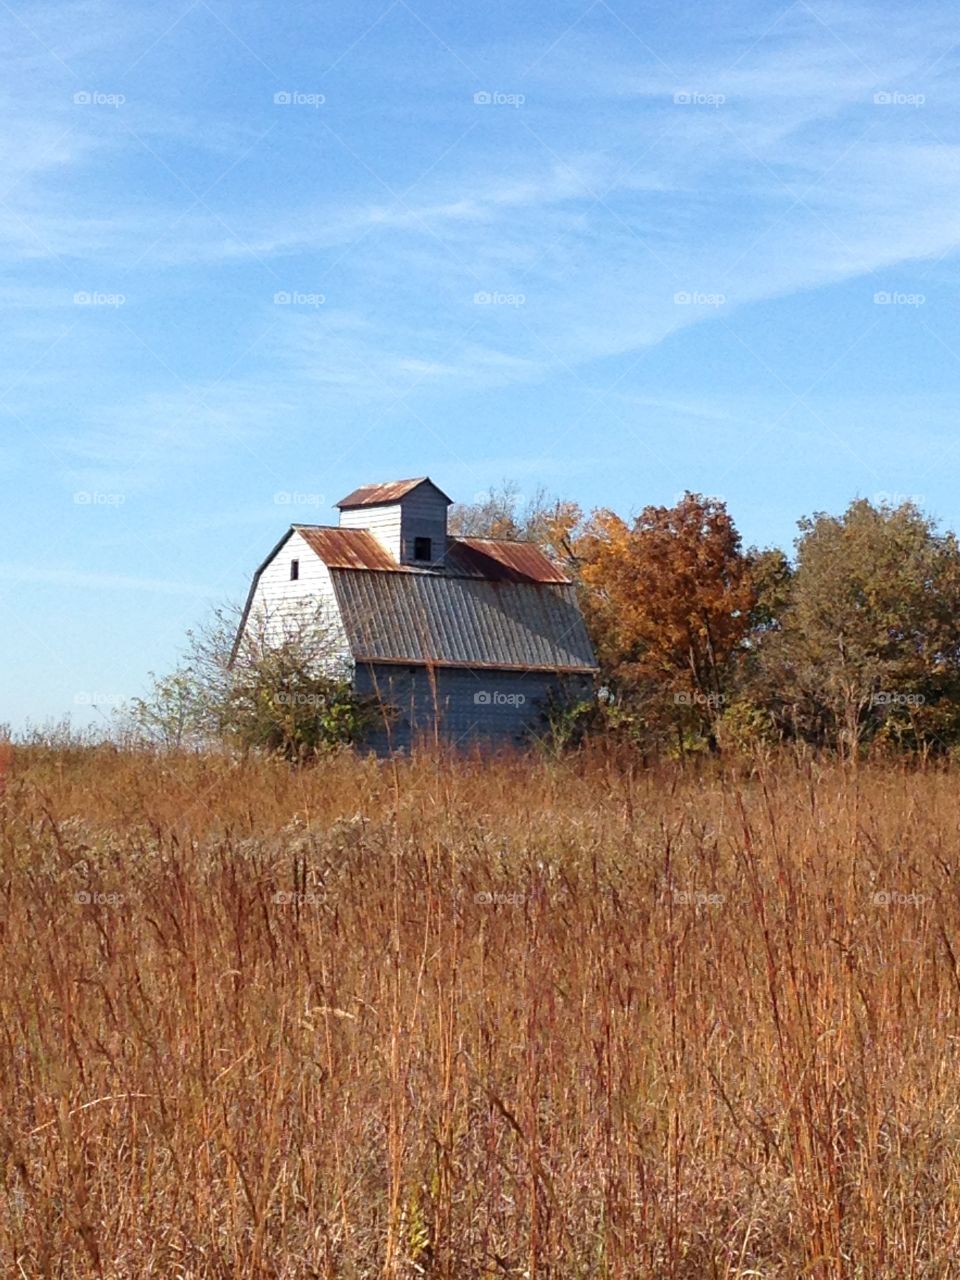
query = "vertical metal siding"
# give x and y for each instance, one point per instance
(501, 719)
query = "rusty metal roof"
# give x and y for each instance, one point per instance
(434, 618)
(488, 603)
(346, 548)
(501, 561)
(376, 495)
(494, 559)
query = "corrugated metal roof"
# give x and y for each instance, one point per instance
(501, 561)
(494, 559)
(459, 621)
(347, 548)
(375, 495)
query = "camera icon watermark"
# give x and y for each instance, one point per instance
(485, 298)
(94, 498)
(293, 298)
(694, 98)
(92, 698)
(294, 98)
(890, 498)
(696, 898)
(86, 898)
(888, 298)
(693, 298)
(498, 698)
(284, 898)
(495, 98)
(698, 699)
(86, 298)
(294, 498)
(894, 98)
(94, 98)
(886, 698)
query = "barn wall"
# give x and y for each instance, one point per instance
(278, 598)
(424, 516)
(499, 708)
(421, 514)
(383, 522)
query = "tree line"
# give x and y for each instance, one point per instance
(851, 644)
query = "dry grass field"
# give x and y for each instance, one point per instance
(478, 1019)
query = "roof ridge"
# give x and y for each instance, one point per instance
(522, 542)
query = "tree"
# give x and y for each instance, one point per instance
(173, 714)
(668, 600)
(502, 512)
(870, 641)
(281, 687)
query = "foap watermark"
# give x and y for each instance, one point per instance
(284, 898)
(94, 498)
(696, 98)
(892, 698)
(94, 98)
(494, 299)
(696, 898)
(92, 698)
(891, 898)
(498, 698)
(693, 298)
(294, 498)
(293, 298)
(490, 898)
(496, 98)
(698, 699)
(297, 98)
(893, 298)
(895, 98)
(300, 699)
(89, 898)
(887, 498)
(88, 298)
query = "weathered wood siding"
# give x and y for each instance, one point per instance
(424, 516)
(383, 522)
(464, 707)
(421, 514)
(278, 598)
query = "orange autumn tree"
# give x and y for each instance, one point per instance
(668, 599)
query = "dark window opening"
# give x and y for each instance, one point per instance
(422, 549)
(294, 570)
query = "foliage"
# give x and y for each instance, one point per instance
(502, 512)
(668, 600)
(279, 688)
(869, 643)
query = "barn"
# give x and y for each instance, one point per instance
(464, 638)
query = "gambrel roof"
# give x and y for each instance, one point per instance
(488, 603)
(446, 620)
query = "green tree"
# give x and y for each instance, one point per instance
(869, 643)
(278, 685)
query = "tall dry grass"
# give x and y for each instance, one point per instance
(478, 1019)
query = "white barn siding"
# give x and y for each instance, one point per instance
(421, 513)
(278, 598)
(383, 522)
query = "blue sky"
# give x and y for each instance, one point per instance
(615, 250)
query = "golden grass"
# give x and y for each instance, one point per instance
(505, 1018)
